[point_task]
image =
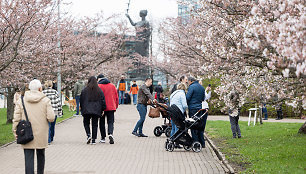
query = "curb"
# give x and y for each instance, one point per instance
(7, 144)
(220, 155)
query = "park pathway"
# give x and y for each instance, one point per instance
(69, 154)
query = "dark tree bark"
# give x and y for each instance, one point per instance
(302, 130)
(10, 105)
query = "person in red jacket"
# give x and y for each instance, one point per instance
(112, 102)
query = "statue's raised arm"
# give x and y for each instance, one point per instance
(128, 16)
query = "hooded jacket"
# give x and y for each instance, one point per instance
(110, 94)
(40, 112)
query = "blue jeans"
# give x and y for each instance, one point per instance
(198, 135)
(174, 128)
(142, 109)
(51, 130)
(135, 99)
(121, 97)
(77, 100)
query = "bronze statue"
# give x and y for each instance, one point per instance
(143, 33)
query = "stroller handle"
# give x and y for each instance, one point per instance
(206, 110)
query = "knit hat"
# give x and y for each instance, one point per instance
(100, 76)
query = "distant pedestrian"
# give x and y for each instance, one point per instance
(122, 88)
(40, 113)
(264, 111)
(92, 106)
(112, 102)
(78, 87)
(178, 98)
(144, 96)
(183, 79)
(134, 91)
(195, 96)
(54, 86)
(17, 96)
(234, 113)
(56, 105)
(279, 111)
(159, 92)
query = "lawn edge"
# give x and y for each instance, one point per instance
(12, 142)
(219, 154)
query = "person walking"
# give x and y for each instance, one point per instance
(56, 105)
(144, 96)
(134, 90)
(264, 111)
(159, 91)
(92, 106)
(78, 87)
(40, 113)
(195, 96)
(234, 112)
(183, 79)
(111, 99)
(178, 98)
(122, 88)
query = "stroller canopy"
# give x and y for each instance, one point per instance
(177, 116)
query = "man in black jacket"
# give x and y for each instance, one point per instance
(183, 79)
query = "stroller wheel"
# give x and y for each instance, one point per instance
(196, 146)
(158, 131)
(187, 148)
(168, 131)
(170, 147)
(166, 145)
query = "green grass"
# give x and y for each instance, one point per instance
(267, 148)
(6, 134)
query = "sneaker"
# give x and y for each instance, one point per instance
(111, 139)
(93, 142)
(142, 135)
(135, 133)
(102, 141)
(88, 140)
(239, 136)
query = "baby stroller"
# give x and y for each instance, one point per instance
(182, 136)
(166, 127)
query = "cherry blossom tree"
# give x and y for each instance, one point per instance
(241, 43)
(29, 46)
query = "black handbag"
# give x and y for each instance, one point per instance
(24, 128)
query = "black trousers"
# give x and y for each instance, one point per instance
(94, 125)
(29, 160)
(280, 114)
(110, 122)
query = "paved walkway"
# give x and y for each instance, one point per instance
(69, 154)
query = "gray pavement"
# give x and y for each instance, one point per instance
(70, 154)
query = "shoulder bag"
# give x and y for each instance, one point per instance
(24, 129)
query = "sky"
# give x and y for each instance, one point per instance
(157, 9)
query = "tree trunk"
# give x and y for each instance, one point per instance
(10, 105)
(302, 130)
